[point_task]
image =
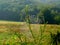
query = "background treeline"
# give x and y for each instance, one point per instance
(38, 12)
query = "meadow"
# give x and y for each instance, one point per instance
(20, 33)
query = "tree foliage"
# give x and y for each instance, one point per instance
(14, 10)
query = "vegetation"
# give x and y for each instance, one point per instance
(36, 22)
(14, 10)
(16, 33)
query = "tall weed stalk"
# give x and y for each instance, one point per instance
(28, 23)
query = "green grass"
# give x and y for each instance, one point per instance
(18, 33)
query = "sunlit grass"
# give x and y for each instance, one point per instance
(10, 32)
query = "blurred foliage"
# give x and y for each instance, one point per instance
(13, 10)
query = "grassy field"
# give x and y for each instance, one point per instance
(18, 33)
